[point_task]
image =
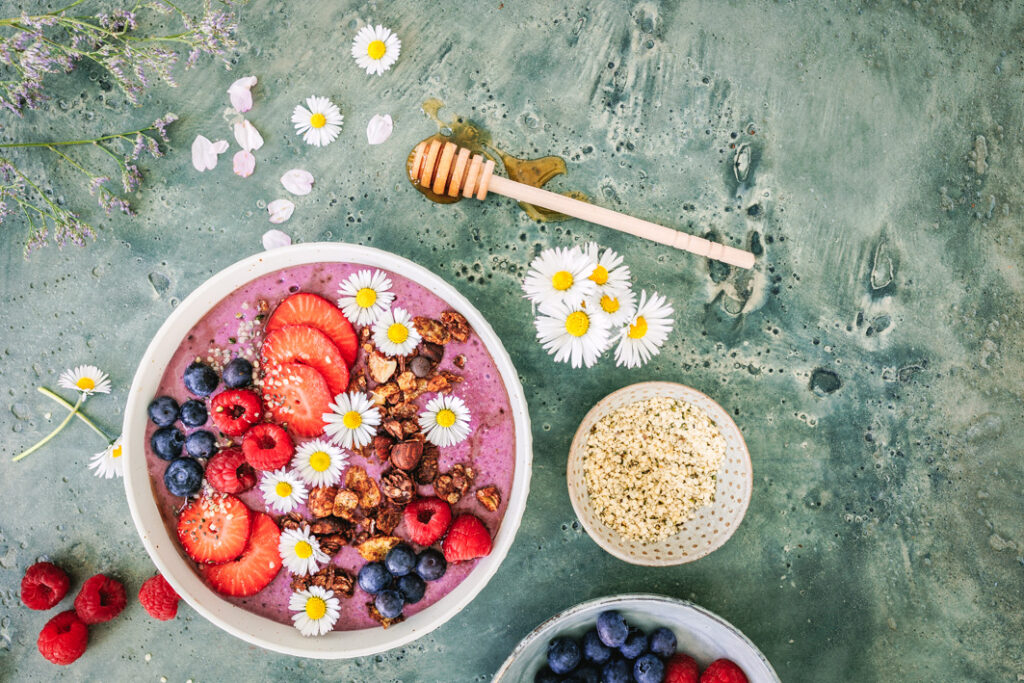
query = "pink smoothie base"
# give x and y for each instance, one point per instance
(490, 448)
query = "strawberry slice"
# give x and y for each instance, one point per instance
(297, 397)
(255, 568)
(426, 520)
(309, 346)
(467, 539)
(309, 309)
(214, 529)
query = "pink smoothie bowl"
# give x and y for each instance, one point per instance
(162, 545)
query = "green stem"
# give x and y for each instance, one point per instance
(80, 415)
(55, 432)
(70, 161)
(75, 142)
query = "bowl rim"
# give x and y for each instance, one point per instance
(575, 494)
(621, 599)
(162, 548)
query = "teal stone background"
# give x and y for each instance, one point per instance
(872, 358)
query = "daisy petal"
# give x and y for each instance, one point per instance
(280, 210)
(247, 136)
(240, 93)
(298, 181)
(244, 163)
(379, 129)
(274, 239)
(204, 153)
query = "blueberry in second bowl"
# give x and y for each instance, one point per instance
(594, 651)
(648, 669)
(612, 628)
(563, 654)
(663, 642)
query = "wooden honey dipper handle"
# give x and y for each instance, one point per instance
(447, 169)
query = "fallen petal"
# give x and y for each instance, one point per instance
(240, 93)
(220, 146)
(379, 129)
(272, 239)
(247, 137)
(244, 163)
(204, 153)
(298, 181)
(280, 210)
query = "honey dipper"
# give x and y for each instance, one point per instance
(447, 169)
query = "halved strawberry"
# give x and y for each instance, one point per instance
(309, 346)
(426, 520)
(467, 539)
(255, 568)
(267, 446)
(214, 529)
(235, 410)
(297, 397)
(309, 309)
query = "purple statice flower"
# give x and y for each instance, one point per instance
(39, 237)
(162, 123)
(139, 146)
(96, 185)
(118, 21)
(131, 177)
(153, 147)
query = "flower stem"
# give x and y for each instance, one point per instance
(55, 432)
(75, 142)
(80, 415)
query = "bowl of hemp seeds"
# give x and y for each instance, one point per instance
(659, 474)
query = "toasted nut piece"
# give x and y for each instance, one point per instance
(384, 392)
(365, 333)
(394, 428)
(321, 501)
(432, 330)
(300, 583)
(489, 497)
(382, 447)
(410, 427)
(456, 324)
(406, 381)
(293, 520)
(334, 578)
(374, 549)
(432, 352)
(370, 497)
(360, 483)
(455, 483)
(381, 367)
(460, 360)
(357, 383)
(406, 455)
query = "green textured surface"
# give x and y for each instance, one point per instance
(884, 537)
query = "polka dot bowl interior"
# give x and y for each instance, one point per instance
(711, 526)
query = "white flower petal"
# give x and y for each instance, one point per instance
(298, 181)
(240, 93)
(244, 163)
(273, 239)
(379, 129)
(247, 137)
(280, 210)
(204, 153)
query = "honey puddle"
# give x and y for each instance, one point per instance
(465, 133)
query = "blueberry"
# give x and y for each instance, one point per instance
(400, 560)
(546, 675)
(193, 413)
(563, 655)
(201, 444)
(584, 674)
(663, 642)
(616, 671)
(166, 442)
(163, 411)
(183, 477)
(594, 651)
(431, 565)
(611, 628)
(200, 379)
(389, 603)
(237, 374)
(635, 645)
(648, 669)
(373, 577)
(412, 587)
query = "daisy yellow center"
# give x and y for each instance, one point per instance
(283, 489)
(318, 120)
(366, 297)
(376, 49)
(600, 275)
(638, 330)
(303, 550)
(398, 333)
(562, 280)
(577, 324)
(316, 608)
(86, 384)
(116, 453)
(351, 420)
(320, 460)
(609, 304)
(445, 417)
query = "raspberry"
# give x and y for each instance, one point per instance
(64, 638)
(101, 599)
(680, 668)
(267, 446)
(44, 585)
(427, 519)
(723, 671)
(228, 472)
(158, 598)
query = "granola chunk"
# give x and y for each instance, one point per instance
(432, 330)
(334, 578)
(332, 544)
(327, 525)
(321, 501)
(406, 381)
(455, 483)
(427, 470)
(397, 485)
(363, 485)
(388, 517)
(456, 324)
(374, 549)
(489, 497)
(381, 367)
(293, 520)
(346, 505)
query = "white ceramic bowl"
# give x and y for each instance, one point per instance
(165, 550)
(711, 526)
(703, 635)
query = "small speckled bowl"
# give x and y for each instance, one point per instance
(711, 526)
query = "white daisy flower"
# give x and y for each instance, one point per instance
(560, 276)
(283, 490)
(319, 124)
(618, 307)
(353, 420)
(375, 49)
(573, 334)
(319, 462)
(108, 463)
(365, 296)
(610, 275)
(394, 334)
(646, 332)
(445, 420)
(317, 610)
(300, 551)
(87, 379)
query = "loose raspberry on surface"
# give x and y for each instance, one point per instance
(267, 447)
(158, 598)
(228, 472)
(63, 639)
(467, 539)
(101, 599)
(214, 529)
(235, 410)
(44, 585)
(723, 671)
(426, 520)
(681, 668)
